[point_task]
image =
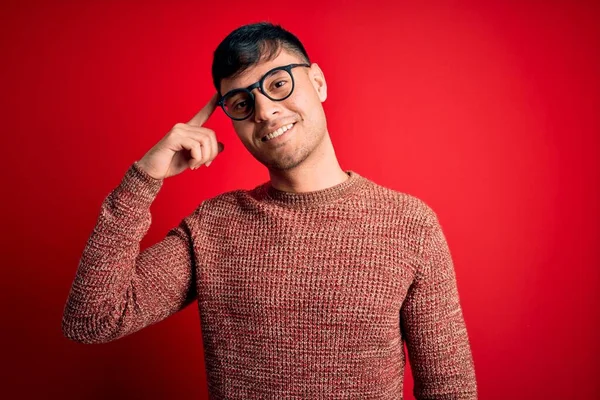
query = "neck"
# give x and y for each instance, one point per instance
(320, 170)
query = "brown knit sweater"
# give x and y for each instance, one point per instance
(300, 295)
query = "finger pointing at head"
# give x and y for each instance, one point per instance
(202, 116)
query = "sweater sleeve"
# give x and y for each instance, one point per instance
(432, 323)
(117, 290)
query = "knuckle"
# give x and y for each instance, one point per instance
(210, 138)
(200, 149)
(208, 131)
(206, 148)
(179, 126)
(203, 138)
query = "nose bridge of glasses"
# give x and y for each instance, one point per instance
(255, 85)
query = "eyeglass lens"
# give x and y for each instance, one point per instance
(277, 86)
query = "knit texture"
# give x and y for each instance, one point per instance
(301, 295)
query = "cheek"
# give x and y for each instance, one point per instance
(302, 105)
(244, 131)
(308, 106)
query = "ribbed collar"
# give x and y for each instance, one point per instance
(317, 197)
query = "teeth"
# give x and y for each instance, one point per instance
(278, 132)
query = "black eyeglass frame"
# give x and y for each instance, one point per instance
(259, 85)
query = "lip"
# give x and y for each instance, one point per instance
(280, 137)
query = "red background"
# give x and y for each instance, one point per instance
(486, 111)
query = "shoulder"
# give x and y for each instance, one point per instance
(406, 204)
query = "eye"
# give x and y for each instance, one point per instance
(240, 105)
(278, 86)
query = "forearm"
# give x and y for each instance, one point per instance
(440, 357)
(103, 282)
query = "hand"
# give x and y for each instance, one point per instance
(187, 145)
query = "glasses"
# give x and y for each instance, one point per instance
(277, 85)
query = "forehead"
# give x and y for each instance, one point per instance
(255, 72)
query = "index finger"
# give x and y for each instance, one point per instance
(202, 116)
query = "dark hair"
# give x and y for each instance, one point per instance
(248, 45)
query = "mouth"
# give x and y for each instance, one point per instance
(277, 133)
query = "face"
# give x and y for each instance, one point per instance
(302, 108)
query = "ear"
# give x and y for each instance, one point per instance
(318, 80)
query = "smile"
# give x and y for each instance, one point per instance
(277, 133)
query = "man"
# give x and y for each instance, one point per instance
(308, 285)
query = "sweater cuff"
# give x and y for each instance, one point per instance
(141, 185)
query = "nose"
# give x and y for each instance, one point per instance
(264, 108)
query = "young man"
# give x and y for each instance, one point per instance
(309, 285)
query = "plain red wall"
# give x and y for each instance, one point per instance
(486, 111)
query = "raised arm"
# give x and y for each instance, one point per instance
(433, 326)
(117, 290)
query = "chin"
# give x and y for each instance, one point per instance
(287, 161)
(282, 165)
